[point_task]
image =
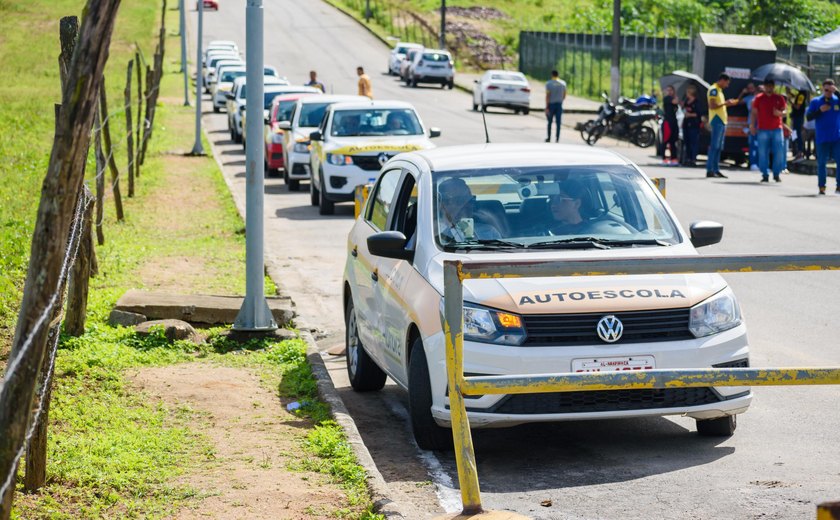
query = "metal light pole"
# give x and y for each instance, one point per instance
(183, 23)
(442, 43)
(199, 80)
(615, 74)
(254, 314)
(367, 10)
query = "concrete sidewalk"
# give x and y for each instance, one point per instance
(572, 105)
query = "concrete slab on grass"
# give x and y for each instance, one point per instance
(197, 308)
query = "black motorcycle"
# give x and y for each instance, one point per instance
(626, 120)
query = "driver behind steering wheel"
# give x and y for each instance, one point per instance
(569, 209)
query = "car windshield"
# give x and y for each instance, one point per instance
(549, 208)
(435, 56)
(311, 114)
(284, 110)
(376, 121)
(231, 75)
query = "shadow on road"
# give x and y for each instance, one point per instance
(342, 211)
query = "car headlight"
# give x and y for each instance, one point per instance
(338, 159)
(302, 147)
(719, 313)
(491, 326)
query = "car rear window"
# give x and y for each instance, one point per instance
(435, 56)
(231, 75)
(507, 77)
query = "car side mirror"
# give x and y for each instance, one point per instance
(315, 136)
(229, 95)
(434, 132)
(284, 125)
(705, 233)
(389, 244)
(475, 81)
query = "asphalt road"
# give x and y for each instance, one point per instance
(783, 460)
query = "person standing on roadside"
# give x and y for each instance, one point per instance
(365, 88)
(691, 125)
(768, 109)
(555, 94)
(717, 123)
(824, 111)
(799, 103)
(747, 97)
(313, 81)
(670, 126)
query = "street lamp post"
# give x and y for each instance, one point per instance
(442, 42)
(183, 23)
(615, 67)
(197, 148)
(254, 314)
(367, 10)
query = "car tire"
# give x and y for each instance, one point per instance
(427, 433)
(216, 109)
(475, 107)
(526, 111)
(364, 374)
(482, 106)
(413, 82)
(313, 193)
(720, 427)
(451, 84)
(237, 137)
(325, 206)
(285, 174)
(294, 184)
(516, 111)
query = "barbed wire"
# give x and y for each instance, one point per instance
(73, 243)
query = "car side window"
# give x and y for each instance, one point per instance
(404, 212)
(383, 197)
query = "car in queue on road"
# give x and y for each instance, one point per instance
(405, 64)
(212, 72)
(502, 88)
(431, 66)
(269, 93)
(398, 54)
(281, 110)
(212, 5)
(236, 103)
(212, 59)
(227, 75)
(352, 143)
(305, 118)
(532, 202)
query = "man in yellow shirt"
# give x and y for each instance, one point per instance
(717, 123)
(365, 88)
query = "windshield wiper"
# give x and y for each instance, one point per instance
(486, 244)
(571, 243)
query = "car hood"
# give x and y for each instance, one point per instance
(373, 144)
(583, 294)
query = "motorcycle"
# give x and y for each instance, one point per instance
(628, 119)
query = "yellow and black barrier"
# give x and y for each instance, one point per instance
(360, 198)
(659, 182)
(456, 272)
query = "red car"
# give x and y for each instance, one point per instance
(281, 110)
(209, 4)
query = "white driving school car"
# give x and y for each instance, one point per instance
(352, 143)
(516, 202)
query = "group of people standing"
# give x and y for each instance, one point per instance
(364, 86)
(769, 134)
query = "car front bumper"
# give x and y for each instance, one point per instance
(298, 167)
(339, 182)
(510, 410)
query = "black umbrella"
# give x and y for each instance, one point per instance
(680, 79)
(784, 75)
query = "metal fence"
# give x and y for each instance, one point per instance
(583, 60)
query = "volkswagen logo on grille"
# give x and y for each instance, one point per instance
(383, 158)
(610, 329)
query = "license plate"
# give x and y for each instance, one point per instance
(510, 90)
(613, 364)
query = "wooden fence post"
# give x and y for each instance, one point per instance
(138, 134)
(109, 152)
(77, 291)
(147, 117)
(59, 196)
(101, 166)
(129, 136)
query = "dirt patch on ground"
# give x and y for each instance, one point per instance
(174, 273)
(254, 439)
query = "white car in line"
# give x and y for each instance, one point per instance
(269, 93)
(398, 53)
(352, 143)
(236, 103)
(305, 119)
(214, 58)
(502, 88)
(213, 72)
(431, 66)
(227, 75)
(532, 202)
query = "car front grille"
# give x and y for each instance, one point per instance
(563, 330)
(299, 169)
(368, 162)
(601, 401)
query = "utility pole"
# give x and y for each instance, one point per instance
(183, 23)
(254, 314)
(615, 67)
(442, 43)
(199, 80)
(367, 11)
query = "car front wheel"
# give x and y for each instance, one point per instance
(364, 374)
(313, 193)
(427, 433)
(720, 427)
(325, 206)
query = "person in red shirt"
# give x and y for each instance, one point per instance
(768, 109)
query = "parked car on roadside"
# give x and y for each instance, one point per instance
(398, 53)
(502, 88)
(209, 4)
(532, 202)
(227, 75)
(269, 93)
(213, 71)
(236, 104)
(431, 66)
(405, 64)
(281, 110)
(305, 119)
(352, 143)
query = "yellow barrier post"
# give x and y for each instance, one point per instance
(659, 182)
(828, 511)
(360, 198)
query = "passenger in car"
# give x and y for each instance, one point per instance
(457, 222)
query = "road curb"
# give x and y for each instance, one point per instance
(377, 486)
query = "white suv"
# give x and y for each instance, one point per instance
(398, 53)
(432, 66)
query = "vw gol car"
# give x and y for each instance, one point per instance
(354, 141)
(509, 202)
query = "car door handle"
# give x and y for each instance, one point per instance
(355, 251)
(374, 276)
